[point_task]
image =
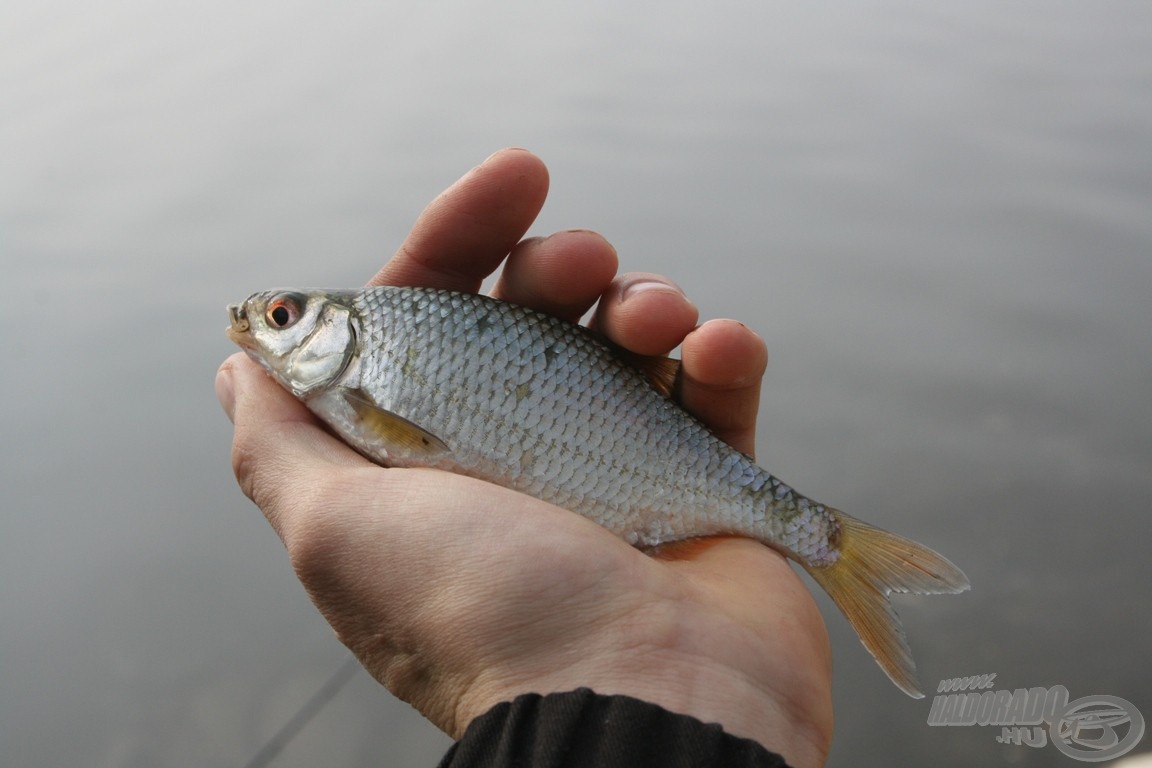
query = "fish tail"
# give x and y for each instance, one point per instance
(872, 564)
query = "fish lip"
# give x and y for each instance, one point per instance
(238, 328)
(238, 315)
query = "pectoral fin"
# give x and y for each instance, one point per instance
(400, 436)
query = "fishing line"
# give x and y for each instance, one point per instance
(309, 710)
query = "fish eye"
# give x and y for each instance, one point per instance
(283, 311)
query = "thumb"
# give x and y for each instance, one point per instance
(281, 454)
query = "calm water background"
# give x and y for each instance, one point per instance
(939, 216)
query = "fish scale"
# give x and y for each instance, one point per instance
(616, 476)
(464, 383)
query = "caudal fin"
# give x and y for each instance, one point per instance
(874, 563)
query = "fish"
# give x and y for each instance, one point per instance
(421, 377)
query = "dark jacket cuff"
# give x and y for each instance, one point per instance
(583, 728)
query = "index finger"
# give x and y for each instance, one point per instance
(464, 234)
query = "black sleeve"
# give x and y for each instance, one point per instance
(582, 728)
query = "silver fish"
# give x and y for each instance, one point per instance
(465, 383)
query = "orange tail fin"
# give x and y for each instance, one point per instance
(874, 563)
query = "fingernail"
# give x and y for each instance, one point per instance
(501, 151)
(225, 391)
(649, 286)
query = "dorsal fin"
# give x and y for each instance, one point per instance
(662, 373)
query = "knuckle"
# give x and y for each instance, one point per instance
(279, 487)
(244, 463)
(317, 533)
(255, 471)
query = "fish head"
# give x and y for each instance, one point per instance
(305, 339)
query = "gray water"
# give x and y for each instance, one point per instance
(938, 215)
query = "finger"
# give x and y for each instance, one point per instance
(280, 453)
(645, 313)
(464, 234)
(723, 364)
(563, 274)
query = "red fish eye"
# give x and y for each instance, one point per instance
(282, 312)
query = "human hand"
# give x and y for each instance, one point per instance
(457, 594)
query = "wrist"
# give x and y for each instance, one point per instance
(663, 661)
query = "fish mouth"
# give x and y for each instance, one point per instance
(239, 326)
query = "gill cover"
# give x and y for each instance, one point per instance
(324, 354)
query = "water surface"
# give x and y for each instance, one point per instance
(937, 217)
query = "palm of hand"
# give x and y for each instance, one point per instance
(458, 594)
